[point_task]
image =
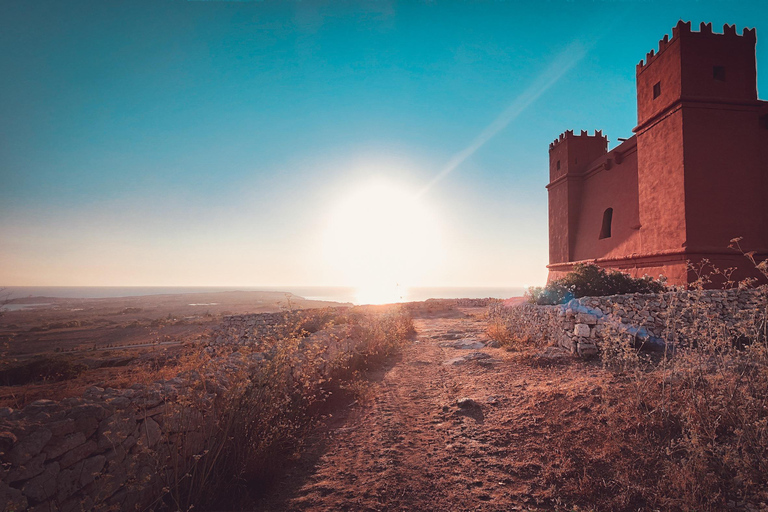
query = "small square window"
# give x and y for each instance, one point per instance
(718, 73)
(558, 165)
(656, 90)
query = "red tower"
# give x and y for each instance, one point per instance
(693, 177)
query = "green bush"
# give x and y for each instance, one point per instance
(589, 280)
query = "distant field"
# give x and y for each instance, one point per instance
(110, 336)
(39, 325)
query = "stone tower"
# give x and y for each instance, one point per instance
(694, 176)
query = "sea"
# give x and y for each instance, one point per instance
(327, 293)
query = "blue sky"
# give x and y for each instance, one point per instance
(205, 142)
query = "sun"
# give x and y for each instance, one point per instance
(381, 240)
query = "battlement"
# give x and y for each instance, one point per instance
(568, 134)
(683, 29)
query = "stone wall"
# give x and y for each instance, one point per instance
(118, 449)
(104, 450)
(654, 321)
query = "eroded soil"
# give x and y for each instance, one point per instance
(519, 443)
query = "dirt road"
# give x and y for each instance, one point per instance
(456, 425)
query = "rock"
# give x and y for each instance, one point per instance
(62, 427)
(160, 409)
(73, 479)
(42, 487)
(115, 429)
(587, 350)
(150, 433)
(581, 330)
(108, 484)
(44, 406)
(120, 402)
(568, 344)
(30, 446)
(32, 467)
(586, 318)
(115, 456)
(88, 425)
(12, 499)
(91, 469)
(474, 356)
(466, 403)
(59, 447)
(7, 441)
(77, 454)
(89, 410)
(46, 506)
(465, 344)
(78, 504)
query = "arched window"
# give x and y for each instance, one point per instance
(605, 231)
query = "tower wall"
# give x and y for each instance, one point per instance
(569, 156)
(610, 183)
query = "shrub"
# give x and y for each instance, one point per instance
(589, 280)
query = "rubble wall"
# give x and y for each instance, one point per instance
(657, 321)
(120, 449)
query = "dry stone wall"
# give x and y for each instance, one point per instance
(655, 321)
(117, 449)
(104, 450)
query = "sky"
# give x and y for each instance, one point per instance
(260, 143)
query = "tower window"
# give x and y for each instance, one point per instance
(558, 165)
(656, 90)
(718, 73)
(605, 231)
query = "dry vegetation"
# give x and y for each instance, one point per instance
(682, 430)
(261, 418)
(103, 342)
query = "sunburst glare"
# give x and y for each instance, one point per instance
(382, 240)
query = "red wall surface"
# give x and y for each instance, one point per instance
(614, 187)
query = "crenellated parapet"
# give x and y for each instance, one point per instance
(683, 28)
(568, 134)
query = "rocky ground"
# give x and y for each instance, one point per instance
(456, 424)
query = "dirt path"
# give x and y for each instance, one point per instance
(419, 446)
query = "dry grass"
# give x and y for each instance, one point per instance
(507, 326)
(700, 414)
(684, 430)
(263, 417)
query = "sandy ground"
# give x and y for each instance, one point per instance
(417, 445)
